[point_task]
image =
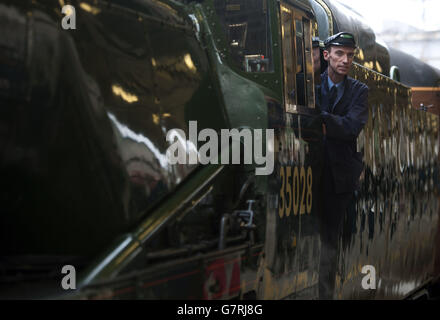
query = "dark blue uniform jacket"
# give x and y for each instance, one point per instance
(343, 127)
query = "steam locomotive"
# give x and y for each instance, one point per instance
(89, 190)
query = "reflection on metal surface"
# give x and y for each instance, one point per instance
(378, 67)
(196, 25)
(360, 54)
(127, 252)
(156, 118)
(164, 6)
(396, 206)
(285, 9)
(126, 132)
(189, 63)
(329, 16)
(87, 7)
(368, 64)
(169, 66)
(391, 225)
(118, 169)
(128, 97)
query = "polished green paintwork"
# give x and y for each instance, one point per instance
(279, 260)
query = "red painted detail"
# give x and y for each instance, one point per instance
(234, 285)
(215, 280)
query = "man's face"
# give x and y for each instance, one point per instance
(339, 59)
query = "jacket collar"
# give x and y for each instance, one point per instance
(324, 79)
(347, 87)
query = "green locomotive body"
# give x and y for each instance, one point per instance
(87, 180)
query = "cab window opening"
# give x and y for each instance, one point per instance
(246, 26)
(300, 74)
(297, 59)
(288, 55)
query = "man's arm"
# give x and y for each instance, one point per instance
(349, 126)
